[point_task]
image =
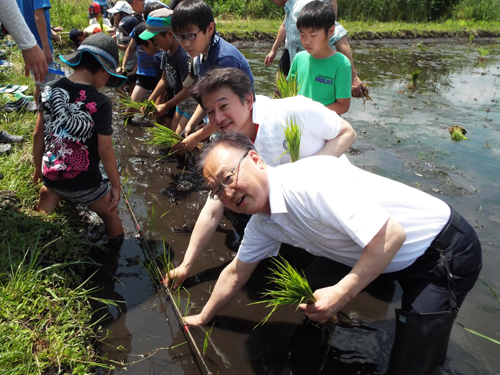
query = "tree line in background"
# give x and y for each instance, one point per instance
(372, 10)
(72, 13)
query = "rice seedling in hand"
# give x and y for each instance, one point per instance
(412, 86)
(458, 133)
(167, 138)
(366, 94)
(286, 88)
(292, 289)
(130, 107)
(292, 134)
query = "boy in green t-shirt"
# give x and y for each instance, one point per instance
(322, 74)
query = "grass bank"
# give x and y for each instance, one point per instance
(45, 310)
(247, 29)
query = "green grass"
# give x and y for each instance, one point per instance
(43, 298)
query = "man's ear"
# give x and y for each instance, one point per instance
(249, 100)
(256, 159)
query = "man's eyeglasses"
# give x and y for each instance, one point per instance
(189, 36)
(228, 179)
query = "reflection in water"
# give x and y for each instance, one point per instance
(401, 135)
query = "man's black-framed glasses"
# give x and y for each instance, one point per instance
(228, 179)
(188, 36)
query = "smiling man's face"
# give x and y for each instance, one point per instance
(249, 192)
(226, 111)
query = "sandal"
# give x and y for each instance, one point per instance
(12, 89)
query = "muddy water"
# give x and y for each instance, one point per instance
(402, 135)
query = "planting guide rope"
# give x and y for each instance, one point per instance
(165, 287)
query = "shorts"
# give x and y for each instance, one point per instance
(284, 64)
(187, 107)
(131, 78)
(85, 197)
(147, 82)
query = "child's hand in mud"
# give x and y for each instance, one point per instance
(160, 110)
(176, 277)
(190, 142)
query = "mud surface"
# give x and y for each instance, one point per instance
(402, 135)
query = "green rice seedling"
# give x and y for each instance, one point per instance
(458, 133)
(165, 137)
(412, 85)
(477, 333)
(207, 339)
(292, 134)
(471, 38)
(292, 289)
(483, 52)
(286, 88)
(146, 107)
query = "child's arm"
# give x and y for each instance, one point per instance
(280, 38)
(160, 87)
(179, 98)
(130, 50)
(343, 47)
(340, 105)
(190, 142)
(195, 119)
(38, 148)
(41, 27)
(108, 158)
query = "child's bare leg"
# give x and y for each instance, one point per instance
(47, 200)
(112, 222)
(180, 124)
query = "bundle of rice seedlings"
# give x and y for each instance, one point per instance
(292, 134)
(145, 107)
(458, 133)
(286, 88)
(166, 138)
(412, 86)
(366, 94)
(292, 289)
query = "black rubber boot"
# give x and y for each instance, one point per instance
(421, 343)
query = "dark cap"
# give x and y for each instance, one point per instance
(128, 24)
(73, 36)
(105, 50)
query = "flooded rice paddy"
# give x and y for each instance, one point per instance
(402, 135)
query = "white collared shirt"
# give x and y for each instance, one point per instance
(318, 125)
(334, 209)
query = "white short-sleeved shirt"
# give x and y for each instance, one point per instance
(318, 125)
(334, 209)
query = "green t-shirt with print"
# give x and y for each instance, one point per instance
(322, 80)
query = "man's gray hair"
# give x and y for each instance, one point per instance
(229, 139)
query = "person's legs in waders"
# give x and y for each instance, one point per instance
(434, 288)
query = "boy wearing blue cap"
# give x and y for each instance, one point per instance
(73, 134)
(174, 66)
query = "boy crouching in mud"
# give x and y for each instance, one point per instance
(73, 134)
